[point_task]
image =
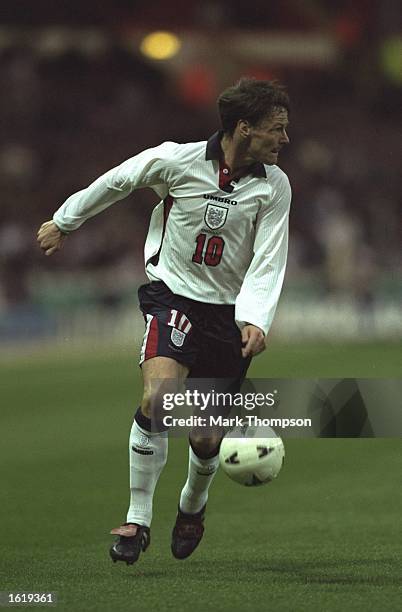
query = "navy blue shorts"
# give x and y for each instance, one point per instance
(202, 336)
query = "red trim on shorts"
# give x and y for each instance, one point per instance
(151, 348)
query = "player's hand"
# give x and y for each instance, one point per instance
(253, 341)
(50, 238)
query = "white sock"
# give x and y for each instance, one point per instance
(146, 464)
(200, 475)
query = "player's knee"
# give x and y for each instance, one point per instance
(206, 446)
(153, 403)
(146, 403)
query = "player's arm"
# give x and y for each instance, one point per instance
(261, 288)
(147, 169)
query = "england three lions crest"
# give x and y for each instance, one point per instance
(177, 337)
(215, 216)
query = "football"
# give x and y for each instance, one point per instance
(252, 457)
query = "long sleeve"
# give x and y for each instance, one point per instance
(259, 294)
(150, 168)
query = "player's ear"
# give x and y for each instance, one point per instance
(243, 128)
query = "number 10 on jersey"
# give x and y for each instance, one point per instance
(212, 253)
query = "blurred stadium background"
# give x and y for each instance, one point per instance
(86, 84)
(85, 87)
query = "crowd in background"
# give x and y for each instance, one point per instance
(67, 119)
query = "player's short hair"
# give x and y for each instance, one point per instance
(251, 100)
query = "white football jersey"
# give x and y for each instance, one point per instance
(209, 239)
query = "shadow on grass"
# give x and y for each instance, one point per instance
(369, 572)
(63, 569)
(375, 572)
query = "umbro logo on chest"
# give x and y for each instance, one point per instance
(219, 199)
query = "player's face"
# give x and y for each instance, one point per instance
(268, 137)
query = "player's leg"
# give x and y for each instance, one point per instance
(223, 362)
(169, 342)
(148, 438)
(203, 463)
(148, 448)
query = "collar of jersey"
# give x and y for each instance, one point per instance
(214, 151)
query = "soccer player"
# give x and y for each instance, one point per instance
(215, 256)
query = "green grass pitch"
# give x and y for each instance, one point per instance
(326, 536)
